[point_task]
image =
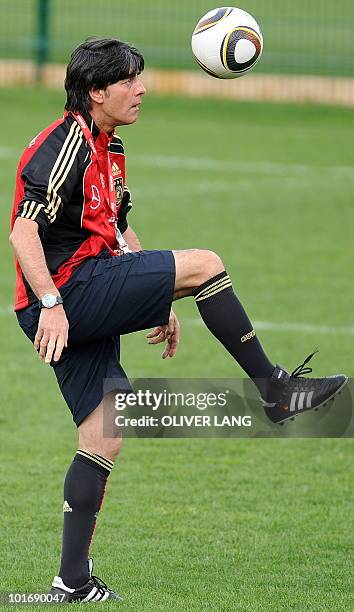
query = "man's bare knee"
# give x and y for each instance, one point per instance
(213, 265)
(92, 439)
(195, 266)
(109, 448)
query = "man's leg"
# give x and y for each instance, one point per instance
(84, 491)
(202, 274)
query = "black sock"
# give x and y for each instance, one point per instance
(225, 317)
(84, 490)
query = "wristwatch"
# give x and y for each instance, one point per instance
(49, 300)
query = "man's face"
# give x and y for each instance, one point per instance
(121, 101)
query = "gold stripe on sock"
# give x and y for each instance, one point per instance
(206, 289)
(94, 457)
(101, 461)
(110, 464)
(220, 285)
(215, 291)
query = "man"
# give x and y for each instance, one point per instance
(83, 280)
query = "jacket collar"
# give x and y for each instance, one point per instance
(94, 129)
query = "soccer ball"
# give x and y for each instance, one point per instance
(227, 42)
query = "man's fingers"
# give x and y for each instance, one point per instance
(38, 338)
(43, 345)
(177, 333)
(155, 332)
(160, 338)
(52, 334)
(58, 348)
(170, 332)
(166, 353)
(172, 345)
(173, 338)
(50, 348)
(158, 334)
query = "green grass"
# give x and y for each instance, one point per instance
(248, 525)
(300, 37)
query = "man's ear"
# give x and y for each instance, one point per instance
(96, 95)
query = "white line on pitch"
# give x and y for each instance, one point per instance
(7, 153)
(6, 310)
(303, 328)
(251, 167)
(219, 165)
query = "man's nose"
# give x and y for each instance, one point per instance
(141, 89)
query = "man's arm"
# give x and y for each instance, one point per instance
(132, 239)
(52, 333)
(49, 178)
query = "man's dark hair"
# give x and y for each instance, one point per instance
(95, 64)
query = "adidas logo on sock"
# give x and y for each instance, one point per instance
(66, 507)
(248, 336)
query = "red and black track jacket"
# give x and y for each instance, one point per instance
(58, 185)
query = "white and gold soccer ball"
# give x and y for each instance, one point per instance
(227, 42)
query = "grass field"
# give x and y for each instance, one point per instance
(300, 37)
(207, 525)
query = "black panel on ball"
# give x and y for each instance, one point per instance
(227, 51)
(205, 24)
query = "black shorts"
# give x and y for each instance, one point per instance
(105, 298)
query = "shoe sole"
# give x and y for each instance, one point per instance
(315, 408)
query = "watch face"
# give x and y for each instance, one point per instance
(49, 301)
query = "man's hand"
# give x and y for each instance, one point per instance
(170, 333)
(52, 333)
